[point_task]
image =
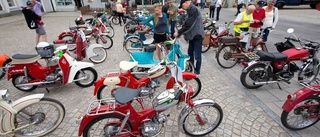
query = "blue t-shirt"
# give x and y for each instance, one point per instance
(161, 25)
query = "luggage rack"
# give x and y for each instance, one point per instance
(309, 86)
(251, 56)
(95, 106)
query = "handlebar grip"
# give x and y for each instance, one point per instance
(178, 95)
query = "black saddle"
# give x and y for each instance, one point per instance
(73, 28)
(142, 32)
(124, 95)
(150, 48)
(23, 56)
(265, 56)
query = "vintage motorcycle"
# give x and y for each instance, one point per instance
(4, 62)
(276, 67)
(31, 115)
(302, 108)
(117, 117)
(27, 73)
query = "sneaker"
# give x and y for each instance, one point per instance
(197, 72)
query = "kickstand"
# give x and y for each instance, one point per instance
(279, 86)
(47, 90)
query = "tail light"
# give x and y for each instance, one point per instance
(291, 97)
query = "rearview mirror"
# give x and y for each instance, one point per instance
(290, 30)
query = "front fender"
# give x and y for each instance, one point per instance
(187, 109)
(251, 65)
(185, 75)
(76, 67)
(64, 33)
(300, 95)
(4, 58)
(97, 85)
(89, 50)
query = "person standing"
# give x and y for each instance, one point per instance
(194, 32)
(271, 19)
(258, 16)
(218, 6)
(172, 12)
(165, 7)
(239, 6)
(120, 11)
(202, 4)
(212, 8)
(33, 22)
(159, 25)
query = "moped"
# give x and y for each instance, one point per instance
(145, 59)
(102, 22)
(27, 73)
(31, 115)
(134, 42)
(4, 62)
(117, 117)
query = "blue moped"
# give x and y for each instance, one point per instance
(136, 40)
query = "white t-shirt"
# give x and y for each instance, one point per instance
(240, 1)
(218, 4)
(268, 21)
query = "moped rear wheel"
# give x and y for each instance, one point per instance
(126, 27)
(101, 55)
(224, 56)
(21, 79)
(69, 38)
(309, 72)
(211, 114)
(253, 74)
(205, 48)
(107, 30)
(47, 115)
(133, 44)
(106, 126)
(105, 40)
(115, 20)
(189, 67)
(89, 74)
(299, 117)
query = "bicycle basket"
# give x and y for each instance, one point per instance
(283, 46)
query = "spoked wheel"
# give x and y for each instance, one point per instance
(300, 117)
(107, 29)
(195, 83)
(105, 40)
(126, 27)
(205, 48)
(105, 92)
(133, 44)
(211, 115)
(21, 79)
(254, 74)
(86, 77)
(224, 56)
(115, 20)
(189, 67)
(47, 114)
(309, 72)
(100, 55)
(69, 38)
(106, 126)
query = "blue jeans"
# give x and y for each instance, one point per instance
(172, 28)
(194, 51)
(266, 34)
(218, 12)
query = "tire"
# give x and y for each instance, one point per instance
(115, 20)
(105, 40)
(301, 113)
(89, 80)
(133, 44)
(216, 115)
(196, 85)
(3, 70)
(313, 6)
(279, 5)
(205, 48)
(107, 30)
(105, 125)
(125, 27)
(224, 58)
(55, 113)
(255, 73)
(101, 55)
(310, 72)
(69, 38)
(20, 79)
(189, 67)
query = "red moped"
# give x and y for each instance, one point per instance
(117, 117)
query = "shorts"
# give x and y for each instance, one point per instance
(40, 30)
(254, 32)
(159, 38)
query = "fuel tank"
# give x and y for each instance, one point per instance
(296, 53)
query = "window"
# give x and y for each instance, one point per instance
(64, 2)
(12, 3)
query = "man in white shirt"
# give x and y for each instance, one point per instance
(239, 6)
(218, 6)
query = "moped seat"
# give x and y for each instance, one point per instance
(150, 48)
(228, 40)
(126, 65)
(266, 56)
(24, 59)
(73, 28)
(124, 95)
(142, 32)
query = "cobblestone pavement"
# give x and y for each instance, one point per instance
(243, 113)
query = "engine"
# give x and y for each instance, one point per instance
(55, 75)
(288, 71)
(153, 127)
(53, 61)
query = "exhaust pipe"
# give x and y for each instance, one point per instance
(36, 83)
(265, 82)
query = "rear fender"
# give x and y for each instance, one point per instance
(64, 33)
(89, 50)
(185, 75)
(97, 85)
(251, 65)
(300, 95)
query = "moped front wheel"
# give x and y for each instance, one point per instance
(21, 79)
(300, 117)
(107, 126)
(224, 56)
(189, 67)
(86, 77)
(47, 114)
(309, 72)
(133, 44)
(69, 38)
(115, 20)
(211, 114)
(105, 40)
(101, 55)
(107, 30)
